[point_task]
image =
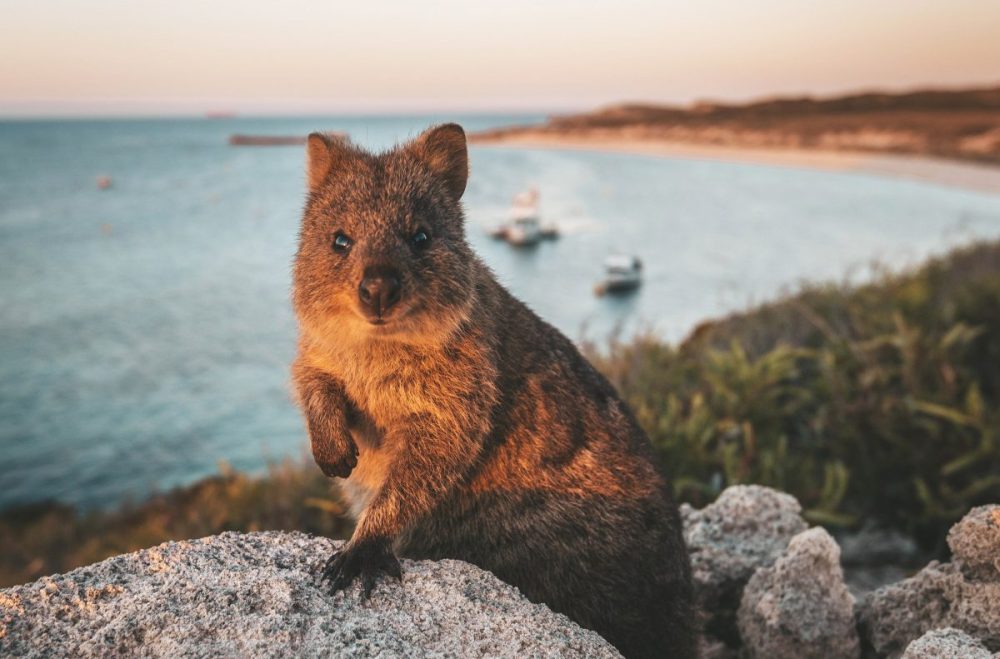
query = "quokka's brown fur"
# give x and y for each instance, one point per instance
(465, 426)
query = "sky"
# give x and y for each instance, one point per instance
(112, 57)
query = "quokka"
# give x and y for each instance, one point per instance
(463, 425)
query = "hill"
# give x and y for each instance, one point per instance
(956, 124)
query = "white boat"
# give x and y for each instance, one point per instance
(524, 227)
(621, 274)
(524, 231)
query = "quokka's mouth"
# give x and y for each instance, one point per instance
(383, 325)
(387, 320)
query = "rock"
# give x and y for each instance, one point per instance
(937, 596)
(975, 543)
(800, 607)
(964, 594)
(746, 528)
(257, 594)
(946, 643)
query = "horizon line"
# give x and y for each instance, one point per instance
(96, 109)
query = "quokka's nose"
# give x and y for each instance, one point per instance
(380, 289)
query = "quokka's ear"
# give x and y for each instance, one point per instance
(324, 151)
(443, 149)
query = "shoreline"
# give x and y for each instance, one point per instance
(927, 169)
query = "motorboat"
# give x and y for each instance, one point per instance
(524, 227)
(621, 274)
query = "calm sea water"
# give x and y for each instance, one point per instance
(145, 330)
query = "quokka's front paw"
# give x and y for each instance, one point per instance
(336, 459)
(367, 559)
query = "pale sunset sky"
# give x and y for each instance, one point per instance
(113, 57)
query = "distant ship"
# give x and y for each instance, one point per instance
(524, 227)
(621, 275)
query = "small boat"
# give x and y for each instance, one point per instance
(103, 182)
(524, 228)
(621, 275)
(524, 231)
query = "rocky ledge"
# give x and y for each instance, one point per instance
(257, 594)
(767, 585)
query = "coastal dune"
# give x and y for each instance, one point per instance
(938, 171)
(944, 137)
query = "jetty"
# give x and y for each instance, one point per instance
(266, 140)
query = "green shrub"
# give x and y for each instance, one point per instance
(878, 402)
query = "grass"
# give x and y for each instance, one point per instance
(879, 402)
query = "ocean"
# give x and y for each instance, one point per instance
(146, 330)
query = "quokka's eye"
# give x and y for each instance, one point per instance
(420, 239)
(341, 243)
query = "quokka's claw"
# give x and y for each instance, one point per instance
(332, 566)
(367, 559)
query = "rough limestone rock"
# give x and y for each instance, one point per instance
(257, 595)
(964, 594)
(946, 643)
(975, 543)
(746, 528)
(800, 606)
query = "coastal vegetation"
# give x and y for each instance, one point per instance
(877, 403)
(874, 403)
(957, 124)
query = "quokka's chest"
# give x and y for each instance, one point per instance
(389, 392)
(390, 387)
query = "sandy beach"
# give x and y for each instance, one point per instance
(970, 176)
